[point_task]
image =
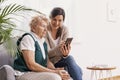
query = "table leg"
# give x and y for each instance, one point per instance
(92, 74)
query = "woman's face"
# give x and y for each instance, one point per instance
(57, 21)
(41, 29)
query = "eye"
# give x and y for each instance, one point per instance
(44, 26)
(54, 19)
(60, 20)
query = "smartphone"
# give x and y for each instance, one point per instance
(68, 41)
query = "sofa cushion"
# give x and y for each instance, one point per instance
(7, 73)
(5, 55)
(5, 58)
(39, 76)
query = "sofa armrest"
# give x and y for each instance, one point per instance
(7, 73)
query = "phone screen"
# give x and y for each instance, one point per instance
(68, 41)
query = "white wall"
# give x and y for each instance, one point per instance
(99, 37)
(95, 26)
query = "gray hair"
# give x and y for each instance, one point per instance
(36, 20)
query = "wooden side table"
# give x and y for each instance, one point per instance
(100, 75)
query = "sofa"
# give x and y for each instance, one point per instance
(6, 63)
(6, 66)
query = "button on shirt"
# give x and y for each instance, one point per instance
(27, 43)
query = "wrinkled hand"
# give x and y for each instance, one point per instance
(64, 74)
(60, 68)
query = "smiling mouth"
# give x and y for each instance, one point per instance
(56, 27)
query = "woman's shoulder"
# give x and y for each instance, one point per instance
(64, 28)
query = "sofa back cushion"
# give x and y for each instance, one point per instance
(5, 56)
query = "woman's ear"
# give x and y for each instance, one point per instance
(33, 29)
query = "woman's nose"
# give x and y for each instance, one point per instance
(57, 23)
(45, 28)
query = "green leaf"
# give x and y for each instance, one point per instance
(2, 1)
(8, 15)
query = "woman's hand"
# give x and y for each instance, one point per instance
(64, 74)
(65, 49)
(61, 68)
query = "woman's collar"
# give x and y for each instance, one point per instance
(38, 38)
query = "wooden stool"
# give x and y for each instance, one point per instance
(100, 75)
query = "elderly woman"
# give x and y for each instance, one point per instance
(32, 59)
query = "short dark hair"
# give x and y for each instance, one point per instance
(57, 11)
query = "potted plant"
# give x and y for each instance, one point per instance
(7, 25)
